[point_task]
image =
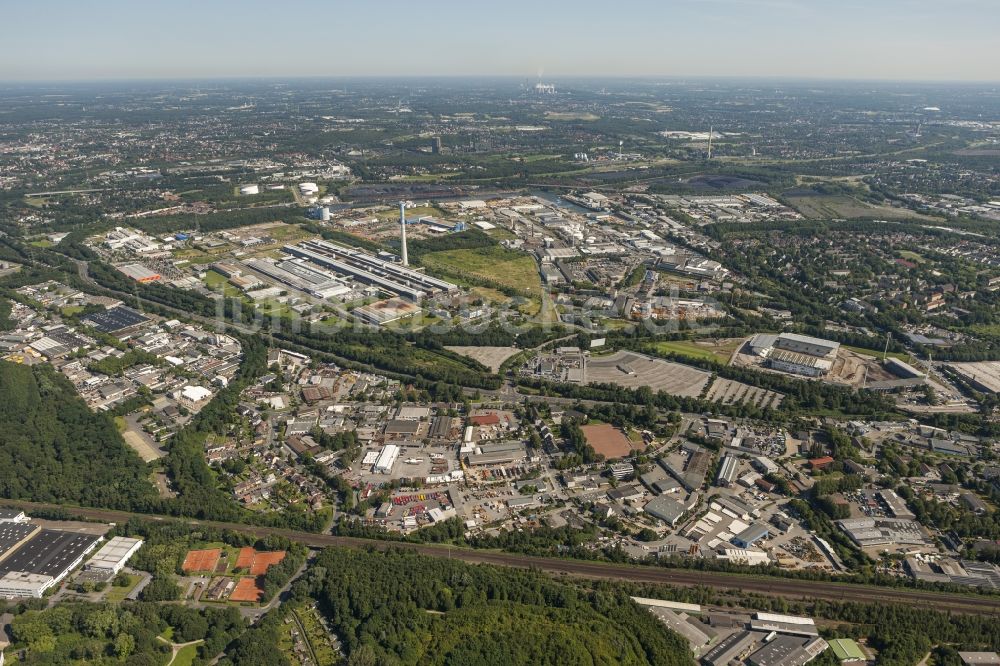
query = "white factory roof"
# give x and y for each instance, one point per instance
(195, 393)
(116, 551)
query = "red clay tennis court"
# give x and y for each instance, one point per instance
(201, 560)
(245, 559)
(263, 561)
(247, 589)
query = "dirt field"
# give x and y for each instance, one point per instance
(634, 370)
(849, 368)
(491, 357)
(140, 445)
(728, 392)
(607, 440)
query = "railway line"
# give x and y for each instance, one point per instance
(766, 585)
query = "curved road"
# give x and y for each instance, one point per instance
(767, 585)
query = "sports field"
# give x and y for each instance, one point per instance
(607, 440)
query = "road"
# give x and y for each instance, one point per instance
(766, 585)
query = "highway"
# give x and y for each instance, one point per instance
(766, 585)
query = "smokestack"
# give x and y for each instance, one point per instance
(402, 232)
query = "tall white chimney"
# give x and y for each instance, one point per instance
(402, 232)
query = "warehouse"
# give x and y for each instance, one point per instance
(788, 651)
(784, 624)
(733, 648)
(139, 273)
(303, 278)
(895, 504)
(50, 553)
(115, 320)
(15, 584)
(867, 532)
(727, 471)
(751, 535)
(386, 459)
(113, 555)
(369, 269)
(12, 516)
(13, 535)
(666, 509)
(499, 453)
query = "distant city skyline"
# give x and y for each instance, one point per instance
(925, 40)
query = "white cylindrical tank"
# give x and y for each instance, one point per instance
(324, 213)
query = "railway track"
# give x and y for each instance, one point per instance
(765, 585)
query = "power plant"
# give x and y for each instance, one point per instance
(402, 233)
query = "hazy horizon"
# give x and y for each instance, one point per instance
(895, 40)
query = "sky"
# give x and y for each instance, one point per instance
(927, 40)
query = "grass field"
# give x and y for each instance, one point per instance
(219, 282)
(571, 115)
(185, 656)
(493, 264)
(118, 594)
(715, 350)
(415, 212)
(71, 310)
(830, 206)
(911, 256)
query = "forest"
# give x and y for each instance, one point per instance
(54, 449)
(399, 607)
(82, 632)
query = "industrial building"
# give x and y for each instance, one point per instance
(498, 453)
(386, 459)
(734, 648)
(727, 471)
(297, 275)
(666, 509)
(895, 505)
(12, 516)
(139, 272)
(15, 584)
(786, 650)
(13, 535)
(369, 269)
(784, 624)
(34, 564)
(751, 535)
(113, 555)
(868, 532)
